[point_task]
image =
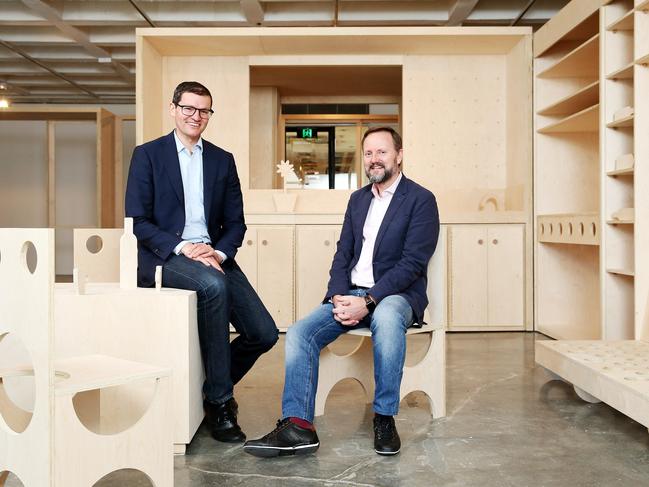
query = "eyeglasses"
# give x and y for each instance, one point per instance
(189, 111)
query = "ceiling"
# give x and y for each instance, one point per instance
(83, 51)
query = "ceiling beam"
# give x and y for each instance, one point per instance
(253, 11)
(459, 12)
(19, 51)
(53, 15)
(142, 13)
(522, 13)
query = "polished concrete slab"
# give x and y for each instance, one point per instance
(507, 425)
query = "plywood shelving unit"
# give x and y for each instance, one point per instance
(612, 367)
(566, 67)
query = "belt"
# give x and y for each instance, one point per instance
(354, 286)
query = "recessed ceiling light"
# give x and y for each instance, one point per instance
(4, 103)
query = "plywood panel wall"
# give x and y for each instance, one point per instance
(455, 123)
(228, 79)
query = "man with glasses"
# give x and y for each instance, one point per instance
(377, 281)
(185, 199)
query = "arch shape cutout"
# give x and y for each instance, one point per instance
(10, 479)
(122, 406)
(126, 476)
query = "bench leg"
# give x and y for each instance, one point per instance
(359, 365)
(429, 375)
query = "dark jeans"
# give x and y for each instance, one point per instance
(223, 299)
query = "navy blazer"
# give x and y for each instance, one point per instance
(156, 201)
(405, 243)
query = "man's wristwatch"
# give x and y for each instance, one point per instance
(369, 304)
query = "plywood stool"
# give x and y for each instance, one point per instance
(51, 447)
(428, 375)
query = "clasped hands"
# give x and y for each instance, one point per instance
(204, 253)
(348, 310)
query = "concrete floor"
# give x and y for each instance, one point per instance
(507, 425)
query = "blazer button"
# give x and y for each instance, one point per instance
(177, 234)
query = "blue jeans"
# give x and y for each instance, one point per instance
(306, 338)
(223, 299)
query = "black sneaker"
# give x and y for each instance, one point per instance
(386, 437)
(222, 420)
(286, 439)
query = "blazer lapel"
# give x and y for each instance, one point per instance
(397, 199)
(210, 168)
(172, 166)
(361, 215)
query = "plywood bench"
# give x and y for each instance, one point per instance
(428, 375)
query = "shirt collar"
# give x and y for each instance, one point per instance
(180, 147)
(390, 190)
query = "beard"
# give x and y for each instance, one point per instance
(379, 177)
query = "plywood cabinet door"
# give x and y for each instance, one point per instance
(468, 275)
(315, 248)
(275, 272)
(247, 256)
(486, 277)
(506, 282)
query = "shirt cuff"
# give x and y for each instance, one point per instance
(222, 255)
(178, 247)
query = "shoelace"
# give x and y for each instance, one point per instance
(281, 424)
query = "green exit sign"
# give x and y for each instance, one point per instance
(307, 132)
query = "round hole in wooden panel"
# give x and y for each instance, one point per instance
(121, 406)
(30, 256)
(569, 228)
(542, 229)
(125, 476)
(12, 479)
(551, 228)
(593, 229)
(17, 387)
(560, 228)
(94, 244)
(581, 228)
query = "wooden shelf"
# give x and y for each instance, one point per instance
(643, 7)
(621, 272)
(643, 60)
(623, 122)
(620, 172)
(568, 228)
(620, 222)
(584, 98)
(623, 73)
(623, 23)
(586, 120)
(582, 62)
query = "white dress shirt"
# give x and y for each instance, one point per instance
(363, 272)
(191, 171)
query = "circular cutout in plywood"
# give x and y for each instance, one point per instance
(17, 387)
(30, 257)
(94, 244)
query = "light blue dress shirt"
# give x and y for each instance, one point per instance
(191, 171)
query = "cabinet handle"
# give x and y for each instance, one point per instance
(326, 242)
(249, 242)
(264, 242)
(495, 241)
(480, 242)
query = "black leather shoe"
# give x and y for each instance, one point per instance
(286, 439)
(222, 420)
(386, 437)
